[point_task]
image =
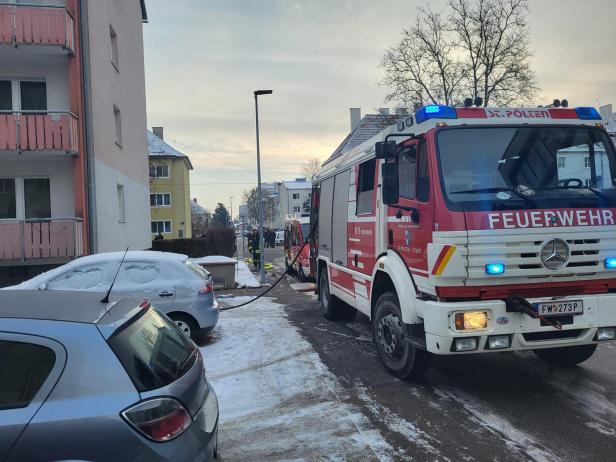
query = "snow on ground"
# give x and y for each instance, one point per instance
(278, 401)
(213, 259)
(244, 277)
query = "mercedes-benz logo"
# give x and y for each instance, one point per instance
(555, 254)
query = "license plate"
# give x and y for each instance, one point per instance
(562, 308)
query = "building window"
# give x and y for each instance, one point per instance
(8, 202)
(161, 227)
(159, 171)
(33, 96)
(562, 162)
(160, 200)
(117, 117)
(295, 209)
(37, 198)
(6, 95)
(365, 187)
(587, 162)
(295, 196)
(114, 47)
(121, 204)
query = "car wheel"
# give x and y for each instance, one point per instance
(566, 356)
(186, 324)
(332, 307)
(398, 355)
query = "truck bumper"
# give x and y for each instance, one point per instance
(525, 333)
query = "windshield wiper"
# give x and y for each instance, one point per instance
(597, 193)
(496, 190)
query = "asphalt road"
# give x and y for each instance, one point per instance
(500, 406)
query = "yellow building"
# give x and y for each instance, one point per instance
(169, 188)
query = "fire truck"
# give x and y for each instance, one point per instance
(473, 230)
(296, 231)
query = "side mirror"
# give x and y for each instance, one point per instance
(391, 185)
(385, 149)
(43, 286)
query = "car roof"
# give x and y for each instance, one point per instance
(81, 307)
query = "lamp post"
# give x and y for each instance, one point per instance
(257, 93)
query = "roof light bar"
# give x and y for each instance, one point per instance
(434, 111)
(588, 113)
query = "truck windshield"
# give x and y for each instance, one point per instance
(497, 168)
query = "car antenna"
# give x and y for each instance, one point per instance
(106, 299)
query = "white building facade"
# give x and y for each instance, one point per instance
(293, 197)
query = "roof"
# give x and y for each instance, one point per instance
(159, 148)
(82, 307)
(369, 126)
(197, 209)
(304, 184)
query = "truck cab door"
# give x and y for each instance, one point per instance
(410, 221)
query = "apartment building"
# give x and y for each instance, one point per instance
(73, 149)
(293, 196)
(169, 188)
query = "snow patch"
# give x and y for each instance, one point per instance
(278, 401)
(244, 277)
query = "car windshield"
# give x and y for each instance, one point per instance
(496, 168)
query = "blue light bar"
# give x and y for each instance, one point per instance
(610, 263)
(495, 268)
(434, 111)
(588, 113)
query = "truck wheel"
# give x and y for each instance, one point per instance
(566, 356)
(332, 307)
(400, 358)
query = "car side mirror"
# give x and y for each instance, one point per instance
(385, 149)
(43, 286)
(391, 186)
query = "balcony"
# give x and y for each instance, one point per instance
(40, 241)
(36, 132)
(37, 25)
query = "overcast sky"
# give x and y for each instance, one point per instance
(204, 59)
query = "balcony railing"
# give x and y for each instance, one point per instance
(25, 24)
(28, 241)
(35, 131)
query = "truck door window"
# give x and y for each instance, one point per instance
(365, 188)
(407, 171)
(423, 179)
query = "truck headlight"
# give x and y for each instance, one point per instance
(606, 333)
(471, 320)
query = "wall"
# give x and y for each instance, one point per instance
(287, 202)
(178, 185)
(125, 87)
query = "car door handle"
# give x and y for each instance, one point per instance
(165, 294)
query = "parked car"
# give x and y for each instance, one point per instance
(175, 285)
(81, 379)
(280, 237)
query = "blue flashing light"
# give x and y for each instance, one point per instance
(587, 113)
(495, 268)
(434, 111)
(610, 263)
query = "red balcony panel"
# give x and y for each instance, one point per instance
(37, 25)
(56, 238)
(39, 132)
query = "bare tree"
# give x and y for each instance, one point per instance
(481, 49)
(311, 167)
(251, 199)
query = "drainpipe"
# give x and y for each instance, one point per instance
(87, 103)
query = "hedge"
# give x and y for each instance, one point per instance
(214, 242)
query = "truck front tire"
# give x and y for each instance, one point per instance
(566, 356)
(398, 355)
(332, 307)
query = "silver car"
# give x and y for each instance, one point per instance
(86, 380)
(175, 285)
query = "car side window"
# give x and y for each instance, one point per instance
(95, 276)
(24, 368)
(136, 272)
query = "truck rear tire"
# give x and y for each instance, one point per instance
(566, 356)
(332, 307)
(399, 356)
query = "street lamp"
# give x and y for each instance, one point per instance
(260, 205)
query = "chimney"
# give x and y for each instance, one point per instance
(384, 111)
(355, 117)
(159, 131)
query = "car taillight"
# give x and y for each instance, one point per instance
(208, 288)
(159, 419)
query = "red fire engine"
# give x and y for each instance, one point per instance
(296, 231)
(472, 229)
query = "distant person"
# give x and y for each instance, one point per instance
(254, 246)
(159, 237)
